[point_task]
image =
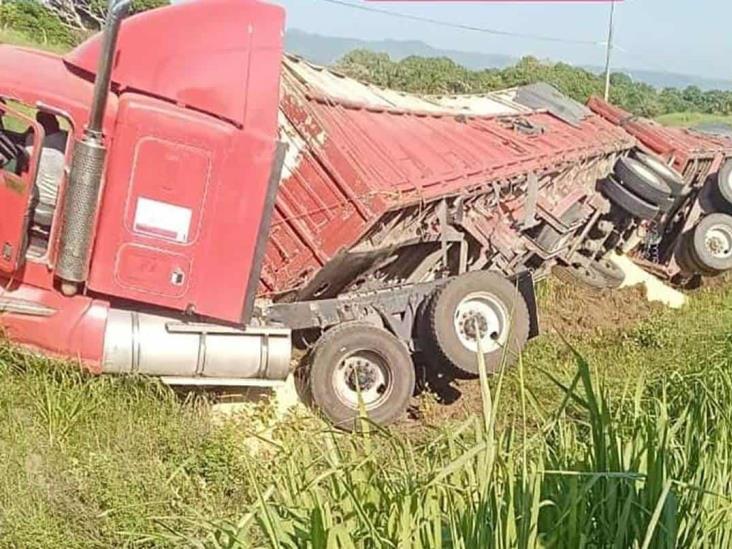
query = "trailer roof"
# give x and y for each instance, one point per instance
(327, 83)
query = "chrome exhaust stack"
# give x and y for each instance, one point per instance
(81, 197)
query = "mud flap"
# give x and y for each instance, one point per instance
(525, 284)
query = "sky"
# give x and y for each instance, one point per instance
(683, 36)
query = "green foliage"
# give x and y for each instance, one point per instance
(646, 467)
(30, 23)
(689, 119)
(625, 443)
(36, 22)
(145, 5)
(443, 76)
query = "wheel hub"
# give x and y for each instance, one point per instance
(360, 374)
(481, 315)
(719, 241)
(473, 323)
(363, 373)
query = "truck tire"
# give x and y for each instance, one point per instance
(673, 178)
(581, 274)
(643, 182)
(711, 243)
(485, 298)
(358, 356)
(629, 202)
(724, 184)
(613, 275)
(686, 259)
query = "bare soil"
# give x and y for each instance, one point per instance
(574, 309)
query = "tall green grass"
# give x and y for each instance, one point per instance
(688, 119)
(623, 442)
(650, 470)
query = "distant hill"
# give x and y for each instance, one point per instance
(661, 79)
(326, 50)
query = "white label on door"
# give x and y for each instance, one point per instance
(162, 220)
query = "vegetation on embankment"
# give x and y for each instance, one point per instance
(625, 444)
(443, 76)
(692, 119)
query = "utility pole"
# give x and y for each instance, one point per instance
(609, 49)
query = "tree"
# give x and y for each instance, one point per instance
(89, 15)
(444, 76)
(34, 20)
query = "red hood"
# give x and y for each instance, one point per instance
(195, 53)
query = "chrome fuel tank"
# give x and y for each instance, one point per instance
(140, 343)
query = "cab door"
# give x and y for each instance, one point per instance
(17, 176)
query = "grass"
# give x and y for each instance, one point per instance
(622, 442)
(9, 36)
(690, 119)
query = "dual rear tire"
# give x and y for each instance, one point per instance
(477, 305)
(643, 186)
(707, 249)
(359, 367)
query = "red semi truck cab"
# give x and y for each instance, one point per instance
(190, 131)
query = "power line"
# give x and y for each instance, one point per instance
(486, 30)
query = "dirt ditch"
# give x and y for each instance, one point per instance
(572, 309)
(567, 309)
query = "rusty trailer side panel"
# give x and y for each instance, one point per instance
(694, 154)
(357, 152)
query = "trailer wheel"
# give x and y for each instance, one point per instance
(582, 274)
(479, 301)
(359, 357)
(613, 275)
(724, 183)
(643, 182)
(711, 243)
(687, 260)
(673, 178)
(629, 202)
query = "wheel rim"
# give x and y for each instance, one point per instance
(485, 312)
(660, 166)
(718, 241)
(363, 370)
(650, 176)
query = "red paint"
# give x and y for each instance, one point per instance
(217, 56)
(15, 197)
(215, 167)
(192, 123)
(682, 145)
(75, 330)
(362, 161)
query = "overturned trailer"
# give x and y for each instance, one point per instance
(381, 187)
(222, 198)
(694, 236)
